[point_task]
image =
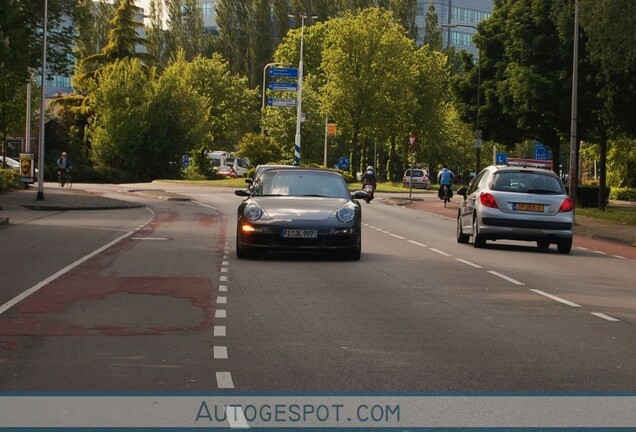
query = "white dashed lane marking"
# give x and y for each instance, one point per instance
(503, 276)
(224, 380)
(220, 352)
(553, 297)
(605, 317)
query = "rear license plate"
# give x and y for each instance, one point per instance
(528, 207)
(299, 233)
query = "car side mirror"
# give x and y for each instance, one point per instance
(249, 181)
(463, 191)
(242, 192)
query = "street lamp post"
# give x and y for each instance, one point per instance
(303, 16)
(40, 195)
(478, 140)
(572, 172)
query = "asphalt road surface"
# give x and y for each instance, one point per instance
(153, 299)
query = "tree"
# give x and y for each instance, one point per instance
(358, 83)
(21, 45)
(613, 57)
(231, 105)
(432, 30)
(177, 121)
(185, 28)
(259, 149)
(120, 123)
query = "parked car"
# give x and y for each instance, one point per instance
(516, 203)
(226, 171)
(299, 209)
(420, 179)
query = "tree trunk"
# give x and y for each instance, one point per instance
(602, 189)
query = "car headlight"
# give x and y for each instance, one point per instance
(345, 214)
(253, 211)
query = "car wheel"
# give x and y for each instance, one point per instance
(543, 245)
(461, 237)
(478, 240)
(564, 246)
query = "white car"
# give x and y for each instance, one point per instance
(516, 203)
(420, 179)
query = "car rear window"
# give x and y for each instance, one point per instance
(526, 182)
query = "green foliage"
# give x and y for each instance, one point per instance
(231, 105)
(8, 179)
(120, 125)
(621, 165)
(432, 30)
(177, 121)
(259, 149)
(623, 194)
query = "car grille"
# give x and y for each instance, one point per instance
(531, 224)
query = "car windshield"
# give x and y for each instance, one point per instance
(300, 183)
(526, 182)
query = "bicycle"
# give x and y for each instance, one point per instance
(64, 178)
(446, 194)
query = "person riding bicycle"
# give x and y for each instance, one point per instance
(369, 177)
(445, 178)
(64, 165)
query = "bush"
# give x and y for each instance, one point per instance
(623, 194)
(587, 196)
(9, 179)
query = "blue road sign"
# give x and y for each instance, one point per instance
(541, 152)
(343, 163)
(185, 160)
(282, 102)
(282, 86)
(283, 72)
(502, 158)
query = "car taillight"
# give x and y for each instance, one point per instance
(488, 200)
(566, 206)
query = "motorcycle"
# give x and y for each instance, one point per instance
(369, 189)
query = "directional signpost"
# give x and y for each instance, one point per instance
(282, 102)
(282, 86)
(283, 72)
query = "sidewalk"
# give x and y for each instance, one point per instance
(19, 204)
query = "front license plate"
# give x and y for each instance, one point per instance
(299, 233)
(528, 207)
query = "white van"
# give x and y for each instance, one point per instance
(241, 166)
(218, 158)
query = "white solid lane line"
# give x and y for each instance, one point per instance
(35, 288)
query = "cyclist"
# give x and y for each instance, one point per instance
(64, 165)
(445, 178)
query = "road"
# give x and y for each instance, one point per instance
(153, 299)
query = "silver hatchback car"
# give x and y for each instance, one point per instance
(516, 203)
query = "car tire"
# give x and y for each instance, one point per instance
(461, 237)
(478, 240)
(543, 245)
(564, 246)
